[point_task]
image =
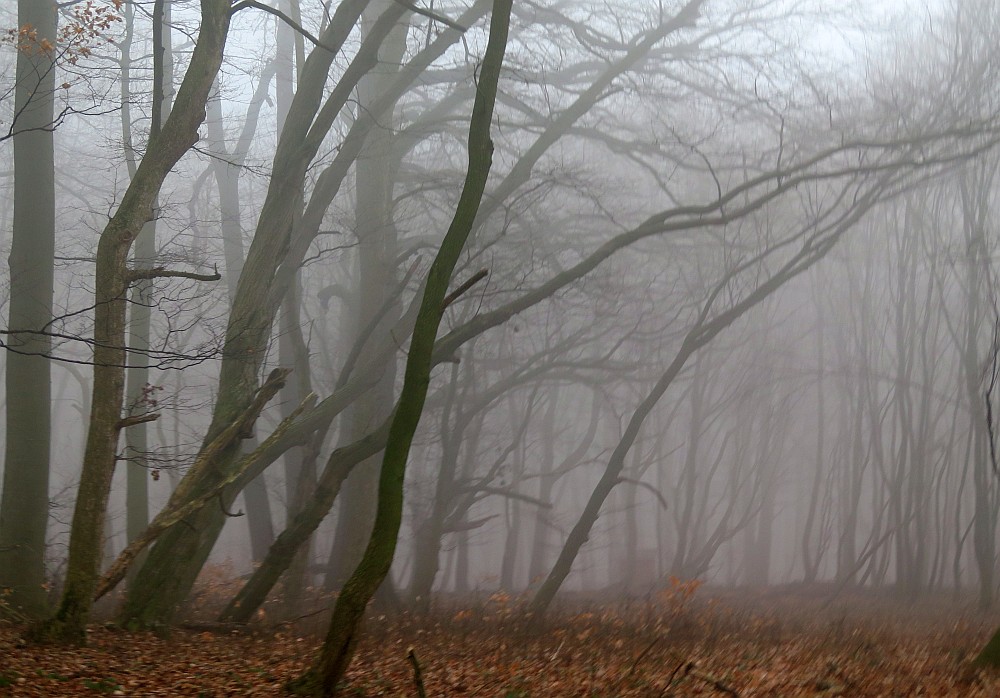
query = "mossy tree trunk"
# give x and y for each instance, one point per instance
(338, 648)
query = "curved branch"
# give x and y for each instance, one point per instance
(244, 4)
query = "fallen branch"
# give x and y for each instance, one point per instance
(690, 669)
(184, 502)
(640, 657)
(711, 680)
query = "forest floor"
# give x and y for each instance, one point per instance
(678, 642)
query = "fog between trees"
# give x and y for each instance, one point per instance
(716, 301)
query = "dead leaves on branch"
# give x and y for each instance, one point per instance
(86, 27)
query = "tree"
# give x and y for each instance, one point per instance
(338, 648)
(140, 395)
(24, 507)
(273, 259)
(112, 280)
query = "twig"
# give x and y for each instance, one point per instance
(432, 15)
(229, 514)
(126, 422)
(711, 680)
(454, 295)
(292, 621)
(418, 677)
(690, 670)
(645, 485)
(244, 4)
(638, 659)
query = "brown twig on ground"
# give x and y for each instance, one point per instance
(718, 684)
(638, 659)
(418, 676)
(690, 669)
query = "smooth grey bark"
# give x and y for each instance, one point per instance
(537, 559)
(299, 461)
(975, 195)
(811, 551)
(24, 506)
(375, 169)
(138, 399)
(427, 541)
(551, 472)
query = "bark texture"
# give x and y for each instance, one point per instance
(24, 508)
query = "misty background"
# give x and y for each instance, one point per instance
(735, 266)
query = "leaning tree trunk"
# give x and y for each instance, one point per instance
(24, 508)
(226, 167)
(338, 648)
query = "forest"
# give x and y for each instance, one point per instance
(500, 348)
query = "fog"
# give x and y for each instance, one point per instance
(726, 310)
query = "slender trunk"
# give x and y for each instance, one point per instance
(539, 541)
(811, 557)
(377, 253)
(139, 399)
(427, 552)
(338, 648)
(226, 168)
(173, 564)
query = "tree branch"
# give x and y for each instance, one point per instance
(646, 486)
(126, 422)
(184, 502)
(164, 273)
(431, 15)
(457, 293)
(244, 4)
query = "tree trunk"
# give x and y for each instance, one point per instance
(226, 167)
(338, 648)
(138, 400)
(112, 278)
(377, 253)
(24, 507)
(427, 547)
(173, 564)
